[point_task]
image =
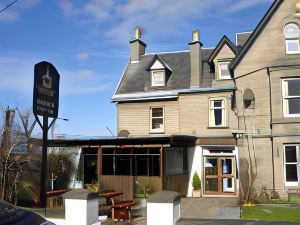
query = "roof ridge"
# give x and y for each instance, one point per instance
(156, 53)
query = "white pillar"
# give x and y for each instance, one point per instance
(81, 207)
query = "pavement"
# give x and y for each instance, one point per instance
(142, 221)
(231, 222)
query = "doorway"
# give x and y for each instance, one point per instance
(219, 175)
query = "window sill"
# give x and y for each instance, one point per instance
(284, 120)
(157, 87)
(221, 79)
(156, 132)
(221, 127)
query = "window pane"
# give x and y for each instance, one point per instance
(157, 112)
(157, 123)
(107, 165)
(291, 173)
(174, 161)
(291, 31)
(218, 117)
(294, 106)
(142, 165)
(218, 103)
(154, 165)
(293, 87)
(290, 154)
(224, 71)
(211, 185)
(90, 169)
(158, 78)
(227, 166)
(211, 167)
(123, 165)
(292, 46)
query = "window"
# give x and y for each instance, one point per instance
(224, 70)
(291, 97)
(217, 111)
(292, 164)
(158, 78)
(175, 160)
(291, 34)
(157, 120)
(131, 161)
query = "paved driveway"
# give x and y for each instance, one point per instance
(230, 222)
(142, 221)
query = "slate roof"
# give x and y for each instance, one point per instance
(137, 78)
(242, 38)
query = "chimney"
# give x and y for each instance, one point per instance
(196, 59)
(137, 46)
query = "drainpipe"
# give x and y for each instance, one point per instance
(271, 125)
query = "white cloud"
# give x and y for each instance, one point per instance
(243, 4)
(13, 13)
(82, 82)
(99, 9)
(82, 56)
(68, 8)
(29, 3)
(84, 74)
(159, 17)
(16, 75)
(9, 16)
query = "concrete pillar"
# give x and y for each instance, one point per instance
(81, 207)
(163, 208)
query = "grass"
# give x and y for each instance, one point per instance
(271, 213)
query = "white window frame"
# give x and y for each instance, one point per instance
(220, 63)
(291, 39)
(287, 42)
(292, 184)
(157, 130)
(285, 98)
(153, 80)
(211, 112)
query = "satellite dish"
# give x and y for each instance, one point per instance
(123, 133)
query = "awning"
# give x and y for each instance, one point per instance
(172, 140)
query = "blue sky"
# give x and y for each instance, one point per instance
(87, 42)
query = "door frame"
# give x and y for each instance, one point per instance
(220, 174)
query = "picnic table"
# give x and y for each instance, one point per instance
(120, 210)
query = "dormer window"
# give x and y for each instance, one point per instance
(224, 70)
(291, 34)
(158, 78)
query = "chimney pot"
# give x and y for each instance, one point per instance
(137, 33)
(195, 35)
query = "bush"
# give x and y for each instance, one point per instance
(196, 182)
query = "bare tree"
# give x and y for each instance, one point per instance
(248, 165)
(13, 137)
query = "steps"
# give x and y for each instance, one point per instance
(210, 208)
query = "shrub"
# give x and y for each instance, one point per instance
(196, 182)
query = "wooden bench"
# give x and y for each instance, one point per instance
(121, 210)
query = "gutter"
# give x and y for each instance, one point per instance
(163, 95)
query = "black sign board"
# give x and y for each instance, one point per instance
(46, 90)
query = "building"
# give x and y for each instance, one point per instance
(241, 103)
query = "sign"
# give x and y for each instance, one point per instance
(45, 90)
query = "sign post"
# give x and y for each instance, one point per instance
(45, 104)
